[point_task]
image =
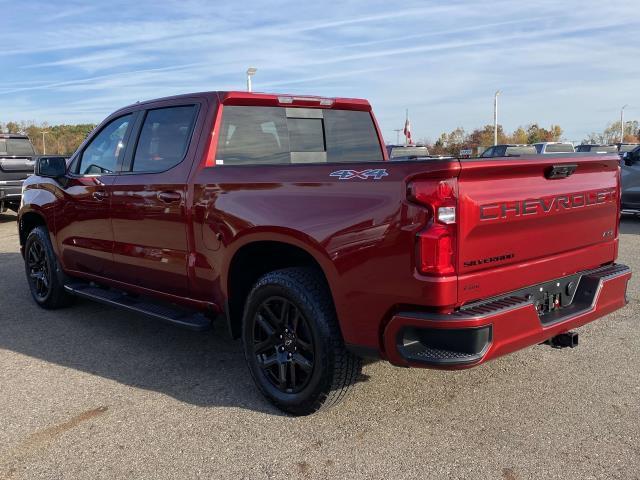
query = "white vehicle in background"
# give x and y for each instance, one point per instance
(554, 147)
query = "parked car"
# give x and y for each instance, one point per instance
(280, 216)
(596, 148)
(407, 151)
(554, 147)
(626, 147)
(509, 150)
(630, 173)
(16, 163)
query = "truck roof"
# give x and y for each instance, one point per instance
(13, 135)
(270, 99)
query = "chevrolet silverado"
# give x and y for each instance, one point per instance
(281, 216)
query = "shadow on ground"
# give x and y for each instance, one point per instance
(204, 369)
(630, 225)
(7, 217)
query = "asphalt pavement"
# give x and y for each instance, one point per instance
(94, 393)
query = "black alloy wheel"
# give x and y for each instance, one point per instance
(293, 344)
(39, 270)
(283, 344)
(45, 278)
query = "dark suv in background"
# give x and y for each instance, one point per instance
(630, 174)
(591, 148)
(17, 157)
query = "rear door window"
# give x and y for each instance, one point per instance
(164, 138)
(278, 135)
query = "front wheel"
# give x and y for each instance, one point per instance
(43, 273)
(293, 345)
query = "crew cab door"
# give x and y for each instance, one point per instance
(85, 235)
(149, 209)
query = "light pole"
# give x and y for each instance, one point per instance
(495, 117)
(622, 123)
(397, 130)
(44, 144)
(251, 71)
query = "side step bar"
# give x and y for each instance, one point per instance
(145, 306)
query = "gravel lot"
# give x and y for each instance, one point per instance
(92, 392)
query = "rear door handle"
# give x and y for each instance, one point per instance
(170, 197)
(99, 195)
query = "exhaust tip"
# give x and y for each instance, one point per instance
(564, 340)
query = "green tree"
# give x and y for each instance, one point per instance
(59, 139)
(536, 134)
(482, 138)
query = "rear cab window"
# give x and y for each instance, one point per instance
(520, 150)
(286, 135)
(559, 148)
(401, 152)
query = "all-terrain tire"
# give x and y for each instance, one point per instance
(334, 370)
(45, 278)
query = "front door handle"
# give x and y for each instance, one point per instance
(170, 197)
(99, 195)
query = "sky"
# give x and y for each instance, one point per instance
(572, 63)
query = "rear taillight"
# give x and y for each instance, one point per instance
(436, 243)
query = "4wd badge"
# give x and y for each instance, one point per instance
(376, 174)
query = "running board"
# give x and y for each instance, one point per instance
(167, 313)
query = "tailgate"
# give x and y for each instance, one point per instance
(519, 226)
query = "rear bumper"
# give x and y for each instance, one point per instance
(10, 190)
(501, 325)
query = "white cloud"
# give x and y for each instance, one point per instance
(567, 62)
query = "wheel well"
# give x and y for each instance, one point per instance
(28, 222)
(250, 263)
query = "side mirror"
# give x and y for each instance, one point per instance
(51, 167)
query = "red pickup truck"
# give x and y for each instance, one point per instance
(282, 216)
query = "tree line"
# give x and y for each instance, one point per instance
(58, 139)
(479, 139)
(64, 139)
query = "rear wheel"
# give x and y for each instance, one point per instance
(293, 345)
(43, 272)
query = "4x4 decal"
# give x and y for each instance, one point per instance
(376, 174)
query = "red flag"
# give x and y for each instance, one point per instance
(407, 131)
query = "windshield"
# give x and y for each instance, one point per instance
(597, 148)
(559, 148)
(16, 147)
(605, 149)
(628, 148)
